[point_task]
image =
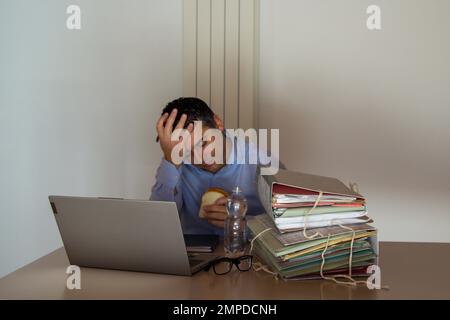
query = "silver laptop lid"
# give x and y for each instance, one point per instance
(136, 235)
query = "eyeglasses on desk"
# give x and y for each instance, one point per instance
(224, 265)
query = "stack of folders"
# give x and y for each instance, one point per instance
(314, 225)
(291, 207)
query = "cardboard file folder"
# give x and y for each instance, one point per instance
(282, 244)
(286, 181)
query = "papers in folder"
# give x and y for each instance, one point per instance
(289, 199)
(294, 198)
(293, 256)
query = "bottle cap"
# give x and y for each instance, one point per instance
(237, 190)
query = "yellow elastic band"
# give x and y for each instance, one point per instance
(306, 218)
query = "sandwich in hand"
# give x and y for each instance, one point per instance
(210, 197)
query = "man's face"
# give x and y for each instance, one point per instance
(201, 141)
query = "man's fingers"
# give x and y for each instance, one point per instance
(217, 223)
(215, 215)
(221, 201)
(160, 124)
(215, 208)
(170, 121)
(182, 121)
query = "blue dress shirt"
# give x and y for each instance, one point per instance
(186, 185)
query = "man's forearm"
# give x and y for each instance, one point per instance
(167, 181)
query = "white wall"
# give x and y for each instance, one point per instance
(365, 106)
(77, 108)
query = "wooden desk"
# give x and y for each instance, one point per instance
(412, 271)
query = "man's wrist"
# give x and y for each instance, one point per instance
(169, 159)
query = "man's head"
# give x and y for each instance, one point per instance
(195, 109)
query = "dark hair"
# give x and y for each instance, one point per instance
(195, 109)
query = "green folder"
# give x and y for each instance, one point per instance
(358, 245)
(362, 258)
(277, 249)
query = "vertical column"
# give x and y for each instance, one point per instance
(218, 57)
(232, 63)
(247, 64)
(189, 48)
(204, 50)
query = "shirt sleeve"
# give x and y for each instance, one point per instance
(166, 187)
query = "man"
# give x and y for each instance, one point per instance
(186, 183)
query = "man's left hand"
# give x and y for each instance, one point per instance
(216, 213)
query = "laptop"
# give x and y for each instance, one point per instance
(133, 235)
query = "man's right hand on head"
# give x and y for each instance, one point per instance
(164, 128)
